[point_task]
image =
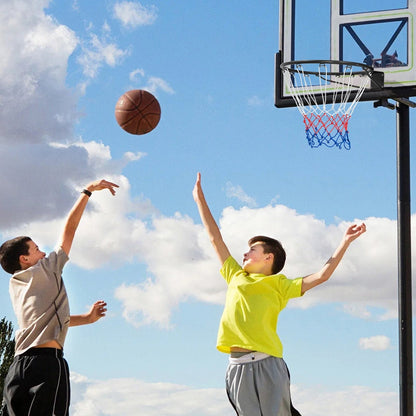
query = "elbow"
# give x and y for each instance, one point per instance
(324, 278)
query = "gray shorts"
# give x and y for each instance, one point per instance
(258, 386)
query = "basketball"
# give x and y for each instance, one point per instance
(137, 112)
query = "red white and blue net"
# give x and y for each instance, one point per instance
(326, 120)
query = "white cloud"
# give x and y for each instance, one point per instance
(154, 84)
(97, 52)
(181, 266)
(150, 83)
(36, 104)
(236, 191)
(99, 156)
(133, 74)
(376, 343)
(146, 303)
(354, 401)
(43, 165)
(133, 14)
(41, 173)
(130, 397)
(68, 168)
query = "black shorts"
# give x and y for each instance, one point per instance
(37, 384)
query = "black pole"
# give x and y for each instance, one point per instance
(404, 260)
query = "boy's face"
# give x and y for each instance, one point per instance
(28, 260)
(256, 260)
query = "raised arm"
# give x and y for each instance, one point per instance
(315, 279)
(74, 216)
(209, 222)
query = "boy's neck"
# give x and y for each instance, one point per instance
(266, 270)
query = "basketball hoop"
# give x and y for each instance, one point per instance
(326, 94)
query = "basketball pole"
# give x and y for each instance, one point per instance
(404, 259)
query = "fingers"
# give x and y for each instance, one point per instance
(111, 187)
(197, 187)
(354, 231)
(102, 184)
(100, 308)
(360, 228)
(100, 304)
(356, 227)
(198, 179)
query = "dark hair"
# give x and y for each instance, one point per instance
(11, 250)
(270, 245)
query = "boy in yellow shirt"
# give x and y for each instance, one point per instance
(257, 379)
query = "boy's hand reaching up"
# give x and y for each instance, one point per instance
(354, 231)
(197, 191)
(102, 184)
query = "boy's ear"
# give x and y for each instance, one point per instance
(23, 259)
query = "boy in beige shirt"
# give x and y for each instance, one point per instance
(37, 383)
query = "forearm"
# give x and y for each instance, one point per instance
(209, 222)
(74, 216)
(96, 312)
(72, 222)
(352, 233)
(327, 270)
(333, 262)
(77, 320)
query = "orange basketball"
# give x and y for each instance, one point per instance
(137, 112)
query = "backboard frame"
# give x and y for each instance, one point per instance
(399, 81)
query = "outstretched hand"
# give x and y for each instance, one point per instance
(97, 311)
(315, 279)
(197, 191)
(102, 184)
(354, 231)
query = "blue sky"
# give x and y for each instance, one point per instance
(211, 66)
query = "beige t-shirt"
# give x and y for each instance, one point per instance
(40, 302)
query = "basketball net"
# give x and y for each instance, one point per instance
(326, 123)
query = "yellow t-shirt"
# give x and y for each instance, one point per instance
(252, 308)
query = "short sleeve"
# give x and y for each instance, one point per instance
(56, 260)
(229, 269)
(290, 288)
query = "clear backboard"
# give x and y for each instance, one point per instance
(378, 33)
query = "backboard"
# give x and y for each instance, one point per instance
(377, 33)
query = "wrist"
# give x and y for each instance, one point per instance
(347, 242)
(86, 192)
(90, 187)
